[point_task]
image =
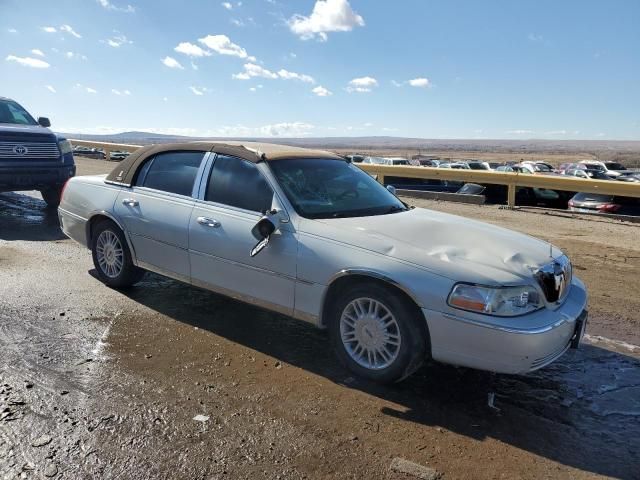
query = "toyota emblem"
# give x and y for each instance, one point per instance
(20, 150)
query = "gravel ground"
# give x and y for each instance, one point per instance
(168, 381)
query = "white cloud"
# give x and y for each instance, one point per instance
(362, 85)
(327, 16)
(12, 30)
(78, 56)
(70, 31)
(287, 75)
(198, 90)
(50, 88)
(35, 51)
(50, 29)
(90, 90)
(117, 40)
(294, 129)
(519, 132)
(172, 63)
(120, 92)
(420, 82)
(557, 132)
(28, 61)
(110, 6)
(252, 70)
(396, 84)
(535, 38)
(320, 91)
(223, 45)
(368, 124)
(191, 50)
(227, 5)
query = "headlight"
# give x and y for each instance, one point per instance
(65, 147)
(500, 301)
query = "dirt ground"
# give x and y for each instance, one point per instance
(168, 381)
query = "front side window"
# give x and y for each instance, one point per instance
(173, 172)
(320, 188)
(238, 183)
(12, 113)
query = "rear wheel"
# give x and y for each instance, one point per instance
(112, 258)
(377, 333)
(51, 196)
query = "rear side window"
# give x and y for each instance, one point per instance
(173, 172)
(238, 183)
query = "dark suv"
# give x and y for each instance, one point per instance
(32, 157)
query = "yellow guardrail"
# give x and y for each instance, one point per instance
(511, 180)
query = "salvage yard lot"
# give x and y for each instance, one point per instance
(111, 381)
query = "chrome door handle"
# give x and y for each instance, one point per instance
(208, 222)
(129, 202)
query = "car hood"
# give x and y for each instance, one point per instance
(25, 133)
(454, 247)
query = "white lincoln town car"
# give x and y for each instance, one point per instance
(308, 234)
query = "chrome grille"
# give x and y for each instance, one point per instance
(17, 150)
(555, 279)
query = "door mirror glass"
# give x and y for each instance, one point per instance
(262, 232)
(44, 122)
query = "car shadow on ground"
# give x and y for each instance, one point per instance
(582, 411)
(23, 217)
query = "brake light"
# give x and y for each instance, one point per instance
(571, 204)
(608, 207)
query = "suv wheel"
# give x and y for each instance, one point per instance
(377, 334)
(51, 196)
(112, 258)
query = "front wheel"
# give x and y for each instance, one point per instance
(377, 333)
(112, 258)
(51, 196)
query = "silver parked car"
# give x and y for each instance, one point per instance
(308, 234)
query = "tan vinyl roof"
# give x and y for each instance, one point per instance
(252, 151)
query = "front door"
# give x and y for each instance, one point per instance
(220, 238)
(156, 211)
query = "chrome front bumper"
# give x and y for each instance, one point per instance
(515, 345)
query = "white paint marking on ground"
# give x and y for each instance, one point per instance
(609, 341)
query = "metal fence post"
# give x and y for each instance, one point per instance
(511, 195)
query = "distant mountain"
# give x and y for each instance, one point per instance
(387, 143)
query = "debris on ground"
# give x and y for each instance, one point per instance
(201, 418)
(408, 467)
(41, 441)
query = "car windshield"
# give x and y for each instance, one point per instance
(321, 188)
(592, 197)
(615, 166)
(11, 112)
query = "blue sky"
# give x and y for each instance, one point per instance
(432, 69)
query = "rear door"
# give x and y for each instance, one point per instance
(234, 196)
(157, 208)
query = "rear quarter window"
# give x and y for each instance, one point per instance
(173, 172)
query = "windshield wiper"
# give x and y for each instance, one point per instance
(395, 209)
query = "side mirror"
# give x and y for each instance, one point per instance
(262, 232)
(391, 189)
(44, 122)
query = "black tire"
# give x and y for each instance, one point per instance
(51, 196)
(414, 345)
(129, 274)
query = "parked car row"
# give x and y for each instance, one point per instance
(98, 153)
(579, 202)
